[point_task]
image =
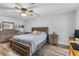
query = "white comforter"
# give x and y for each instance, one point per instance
(33, 40)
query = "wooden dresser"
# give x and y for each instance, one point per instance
(53, 38)
(5, 35)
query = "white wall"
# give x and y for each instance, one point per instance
(16, 21)
(62, 24)
(77, 19)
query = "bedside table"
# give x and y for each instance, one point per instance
(53, 38)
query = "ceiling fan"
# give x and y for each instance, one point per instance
(24, 11)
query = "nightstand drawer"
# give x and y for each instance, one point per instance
(53, 41)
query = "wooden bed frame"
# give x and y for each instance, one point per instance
(24, 49)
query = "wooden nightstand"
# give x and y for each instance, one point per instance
(53, 38)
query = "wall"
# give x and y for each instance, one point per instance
(62, 24)
(77, 19)
(16, 21)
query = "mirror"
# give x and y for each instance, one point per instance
(7, 25)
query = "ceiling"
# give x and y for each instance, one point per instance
(41, 9)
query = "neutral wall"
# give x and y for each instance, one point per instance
(62, 24)
(16, 21)
(77, 19)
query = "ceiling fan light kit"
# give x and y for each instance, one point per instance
(23, 14)
(24, 11)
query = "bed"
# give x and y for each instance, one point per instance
(27, 44)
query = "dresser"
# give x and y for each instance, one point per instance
(53, 38)
(5, 35)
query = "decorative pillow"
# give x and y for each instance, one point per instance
(35, 32)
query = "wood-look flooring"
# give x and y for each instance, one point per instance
(46, 50)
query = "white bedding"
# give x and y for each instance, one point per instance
(33, 40)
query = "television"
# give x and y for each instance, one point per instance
(76, 34)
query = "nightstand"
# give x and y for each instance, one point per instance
(53, 38)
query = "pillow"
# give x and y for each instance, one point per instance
(39, 32)
(35, 32)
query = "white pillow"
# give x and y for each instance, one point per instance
(35, 32)
(39, 32)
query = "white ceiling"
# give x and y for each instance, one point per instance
(42, 9)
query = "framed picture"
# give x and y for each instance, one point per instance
(7, 25)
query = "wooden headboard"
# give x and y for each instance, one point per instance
(43, 29)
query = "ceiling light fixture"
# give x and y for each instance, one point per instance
(23, 14)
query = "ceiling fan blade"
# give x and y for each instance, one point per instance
(30, 10)
(32, 13)
(18, 8)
